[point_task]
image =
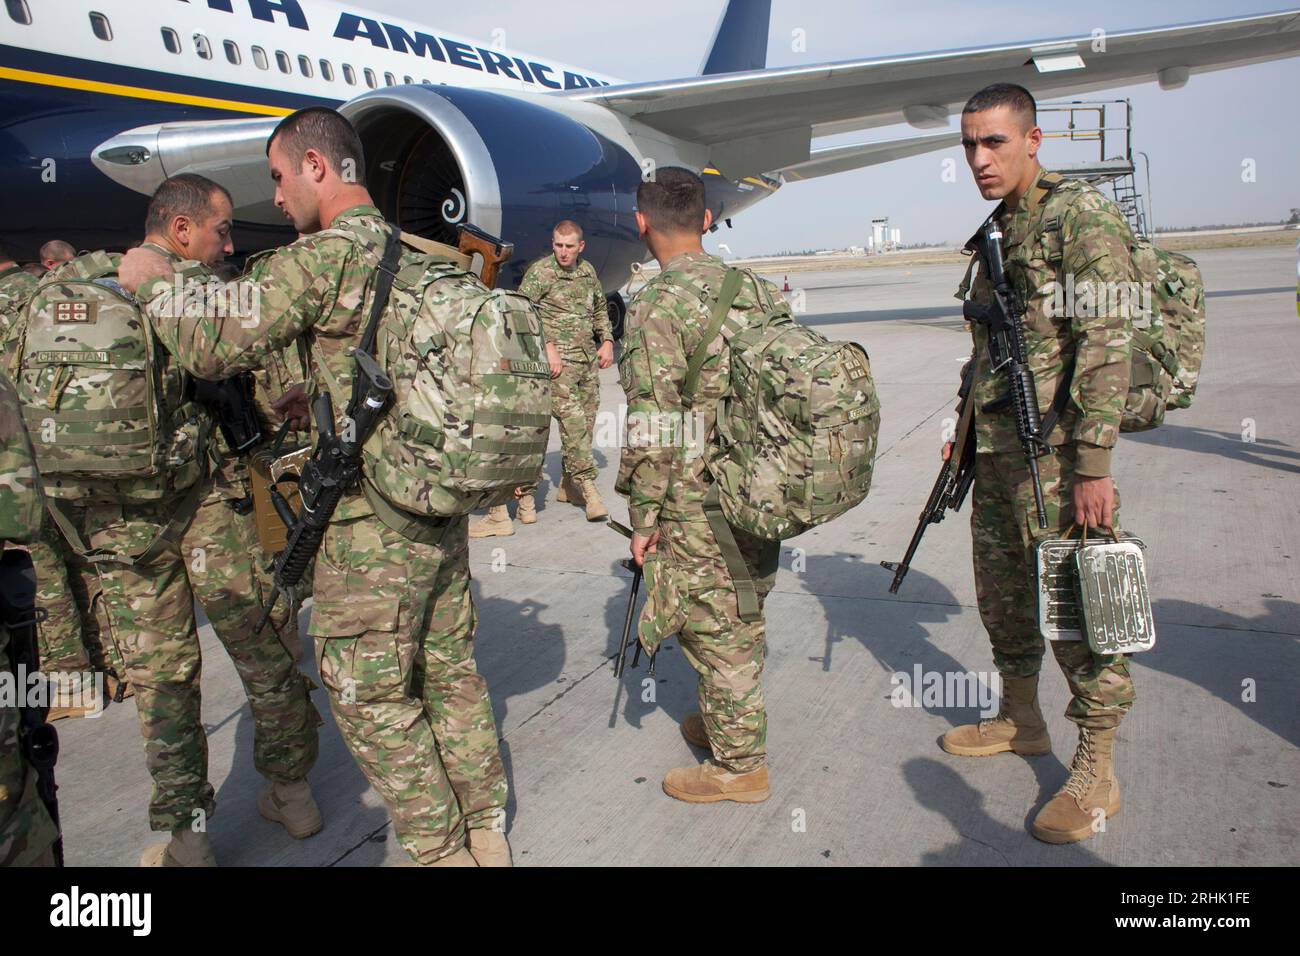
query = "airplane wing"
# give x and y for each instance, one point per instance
(839, 159)
(761, 120)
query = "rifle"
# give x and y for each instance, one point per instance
(631, 609)
(1004, 321)
(495, 252)
(952, 485)
(37, 739)
(231, 403)
(335, 462)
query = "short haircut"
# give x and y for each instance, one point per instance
(1017, 98)
(188, 195)
(568, 228)
(325, 130)
(58, 250)
(673, 201)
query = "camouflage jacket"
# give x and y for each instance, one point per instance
(16, 288)
(20, 495)
(571, 303)
(663, 467)
(1067, 250)
(317, 287)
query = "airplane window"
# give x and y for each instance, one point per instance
(18, 12)
(202, 47)
(407, 79)
(282, 61)
(171, 40)
(259, 57)
(390, 80)
(349, 75)
(232, 51)
(101, 27)
(370, 78)
(304, 65)
(327, 70)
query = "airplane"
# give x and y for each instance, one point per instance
(103, 99)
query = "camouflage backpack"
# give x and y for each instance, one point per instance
(797, 427)
(1168, 333)
(107, 411)
(471, 410)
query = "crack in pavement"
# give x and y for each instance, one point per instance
(561, 694)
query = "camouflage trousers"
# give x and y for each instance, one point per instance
(1005, 530)
(690, 589)
(149, 610)
(27, 833)
(71, 639)
(575, 399)
(394, 626)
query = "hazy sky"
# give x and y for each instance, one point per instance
(1196, 137)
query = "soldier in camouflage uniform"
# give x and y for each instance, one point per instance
(149, 606)
(70, 635)
(392, 612)
(1052, 228)
(689, 587)
(27, 832)
(571, 302)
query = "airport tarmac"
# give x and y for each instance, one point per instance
(1207, 759)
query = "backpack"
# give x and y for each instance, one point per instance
(1167, 333)
(101, 400)
(470, 416)
(797, 427)
(1180, 290)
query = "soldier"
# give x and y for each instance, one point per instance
(1053, 228)
(27, 831)
(689, 587)
(198, 551)
(392, 612)
(55, 253)
(70, 636)
(16, 288)
(569, 297)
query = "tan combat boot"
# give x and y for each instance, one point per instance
(596, 510)
(186, 848)
(1090, 795)
(489, 848)
(1018, 727)
(497, 522)
(527, 510)
(709, 783)
(693, 730)
(72, 697)
(568, 491)
(292, 805)
(461, 857)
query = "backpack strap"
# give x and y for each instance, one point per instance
(746, 591)
(170, 535)
(383, 287)
(730, 289)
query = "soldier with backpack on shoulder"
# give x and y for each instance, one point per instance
(744, 428)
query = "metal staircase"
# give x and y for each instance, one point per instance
(1091, 122)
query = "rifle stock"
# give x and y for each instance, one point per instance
(495, 252)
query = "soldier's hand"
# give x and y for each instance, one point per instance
(293, 407)
(140, 265)
(553, 359)
(643, 545)
(946, 452)
(1094, 501)
(605, 355)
